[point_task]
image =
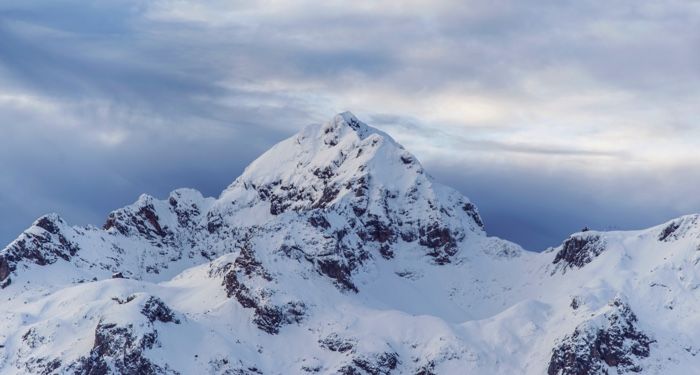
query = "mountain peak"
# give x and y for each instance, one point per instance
(343, 126)
(347, 119)
(363, 176)
(350, 119)
(343, 146)
(337, 241)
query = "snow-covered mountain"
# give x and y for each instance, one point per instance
(335, 253)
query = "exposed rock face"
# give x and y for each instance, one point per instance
(156, 310)
(226, 366)
(336, 343)
(679, 228)
(579, 250)
(5, 271)
(33, 340)
(121, 348)
(609, 341)
(473, 212)
(165, 224)
(43, 366)
(378, 364)
(247, 281)
(427, 369)
(668, 231)
(44, 243)
(440, 241)
(339, 271)
(145, 221)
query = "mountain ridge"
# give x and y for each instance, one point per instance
(337, 242)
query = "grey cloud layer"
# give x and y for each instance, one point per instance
(100, 101)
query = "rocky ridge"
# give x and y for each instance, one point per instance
(335, 252)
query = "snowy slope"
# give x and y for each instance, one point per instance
(335, 252)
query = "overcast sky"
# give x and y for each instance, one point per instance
(549, 115)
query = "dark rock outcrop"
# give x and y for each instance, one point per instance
(267, 316)
(336, 343)
(338, 271)
(595, 346)
(379, 364)
(120, 350)
(440, 241)
(679, 228)
(270, 318)
(144, 222)
(667, 232)
(472, 211)
(427, 369)
(42, 244)
(579, 250)
(5, 271)
(156, 310)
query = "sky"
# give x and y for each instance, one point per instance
(549, 115)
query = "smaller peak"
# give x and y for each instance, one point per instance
(679, 228)
(346, 120)
(50, 217)
(189, 200)
(350, 119)
(144, 200)
(49, 223)
(346, 123)
(188, 194)
(693, 218)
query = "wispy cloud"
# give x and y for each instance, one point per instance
(100, 101)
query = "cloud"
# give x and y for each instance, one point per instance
(547, 101)
(539, 208)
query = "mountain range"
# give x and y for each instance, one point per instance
(335, 252)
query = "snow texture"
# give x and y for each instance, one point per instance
(335, 252)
